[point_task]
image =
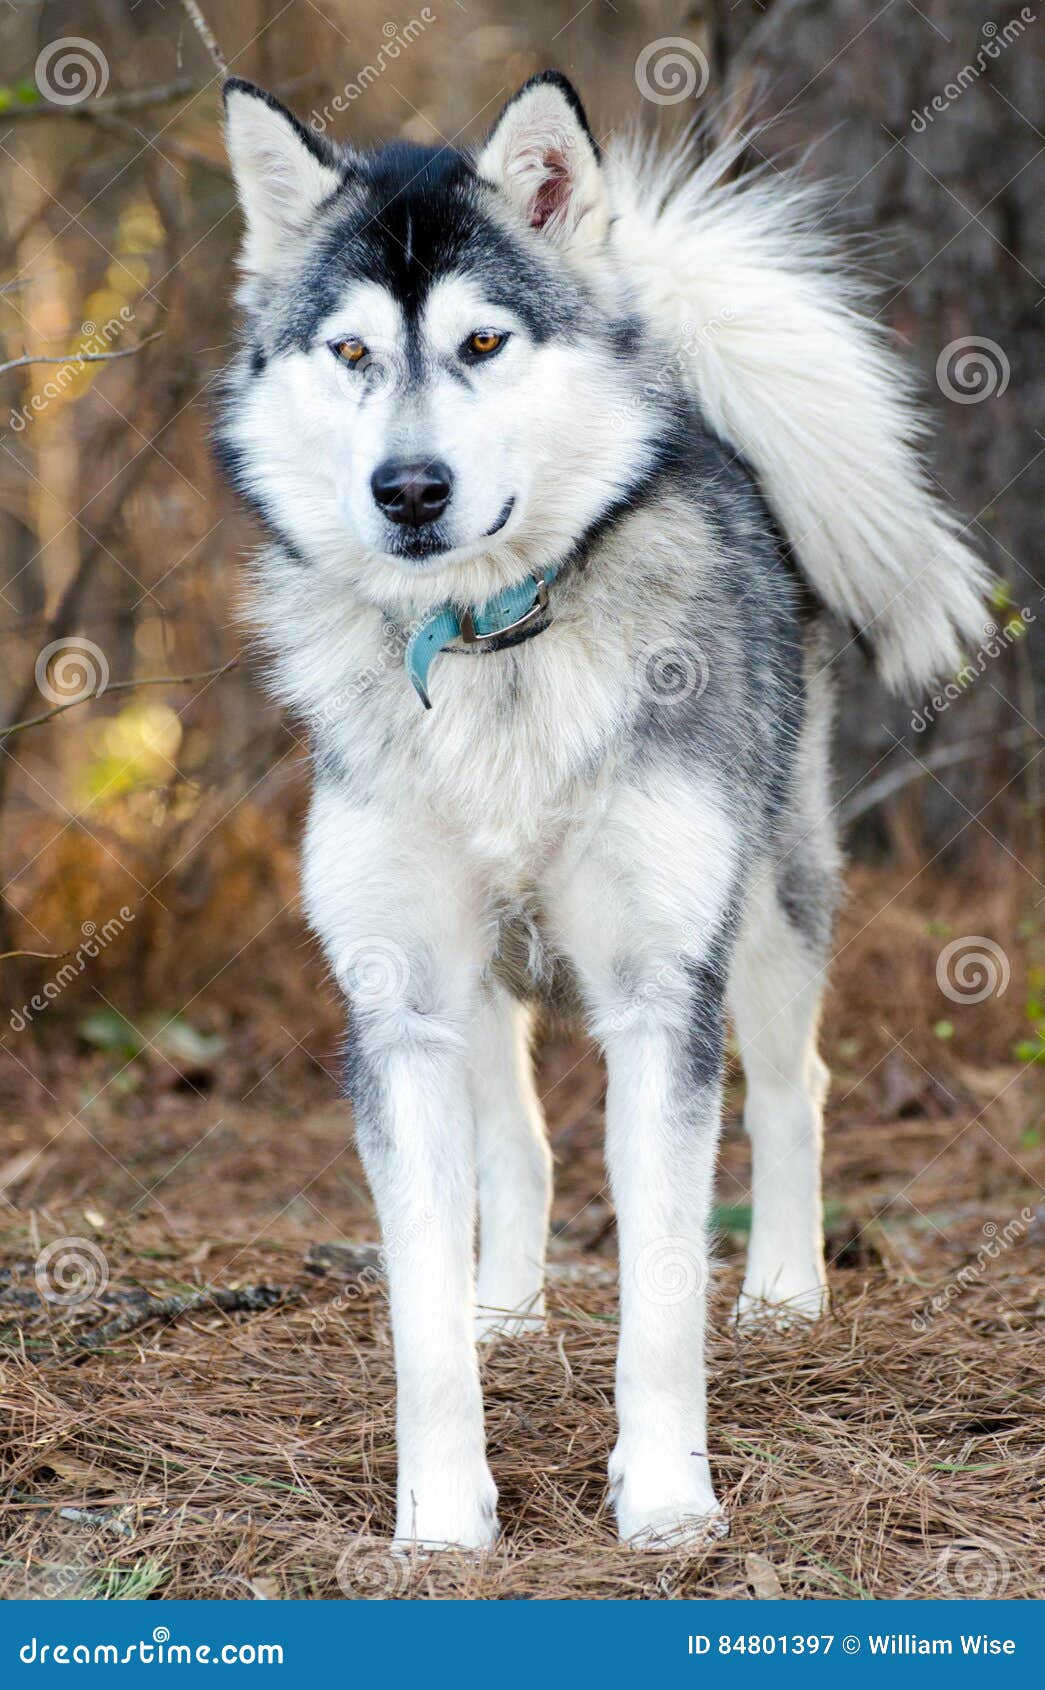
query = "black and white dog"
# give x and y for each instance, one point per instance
(573, 448)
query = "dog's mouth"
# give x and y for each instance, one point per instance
(418, 545)
(502, 519)
(424, 544)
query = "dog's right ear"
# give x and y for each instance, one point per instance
(543, 156)
(282, 171)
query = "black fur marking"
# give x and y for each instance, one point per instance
(231, 460)
(318, 145)
(554, 79)
(411, 216)
(628, 338)
(364, 1090)
(808, 895)
(707, 980)
(705, 1040)
(722, 710)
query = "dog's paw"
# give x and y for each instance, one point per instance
(412, 1551)
(781, 1303)
(662, 1502)
(503, 1320)
(679, 1531)
(491, 1324)
(443, 1515)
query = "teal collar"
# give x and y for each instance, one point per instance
(508, 614)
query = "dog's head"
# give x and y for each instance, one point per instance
(442, 360)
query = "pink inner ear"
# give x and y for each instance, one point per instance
(554, 191)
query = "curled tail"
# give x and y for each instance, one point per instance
(789, 367)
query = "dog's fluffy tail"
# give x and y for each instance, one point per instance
(789, 368)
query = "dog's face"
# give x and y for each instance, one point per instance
(439, 365)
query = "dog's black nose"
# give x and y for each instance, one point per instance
(416, 492)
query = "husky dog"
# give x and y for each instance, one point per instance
(574, 448)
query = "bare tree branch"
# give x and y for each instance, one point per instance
(48, 956)
(896, 779)
(117, 686)
(207, 36)
(77, 357)
(129, 99)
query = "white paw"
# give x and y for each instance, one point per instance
(414, 1550)
(489, 1326)
(781, 1302)
(509, 1320)
(439, 1513)
(669, 1528)
(664, 1503)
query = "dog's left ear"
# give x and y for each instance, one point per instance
(543, 156)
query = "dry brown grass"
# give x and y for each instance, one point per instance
(218, 1452)
(226, 1455)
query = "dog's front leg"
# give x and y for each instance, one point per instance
(416, 1138)
(643, 907)
(403, 948)
(663, 1110)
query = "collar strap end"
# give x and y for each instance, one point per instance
(511, 612)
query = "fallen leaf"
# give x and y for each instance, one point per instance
(762, 1576)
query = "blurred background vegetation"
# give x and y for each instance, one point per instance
(180, 802)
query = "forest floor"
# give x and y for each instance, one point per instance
(196, 1388)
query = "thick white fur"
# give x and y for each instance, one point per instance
(279, 181)
(518, 790)
(544, 162)
(789, 366)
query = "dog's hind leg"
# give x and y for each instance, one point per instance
(775, 990)
(515, 1172)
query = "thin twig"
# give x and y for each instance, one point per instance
(245, 1299)
(130, 99)
(77, 357)
(47, 956)
(207, 36)
(120, 686)
(896, 779)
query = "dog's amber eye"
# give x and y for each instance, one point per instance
(350, 351)
(483, 342)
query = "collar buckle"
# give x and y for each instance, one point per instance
(471, 636)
